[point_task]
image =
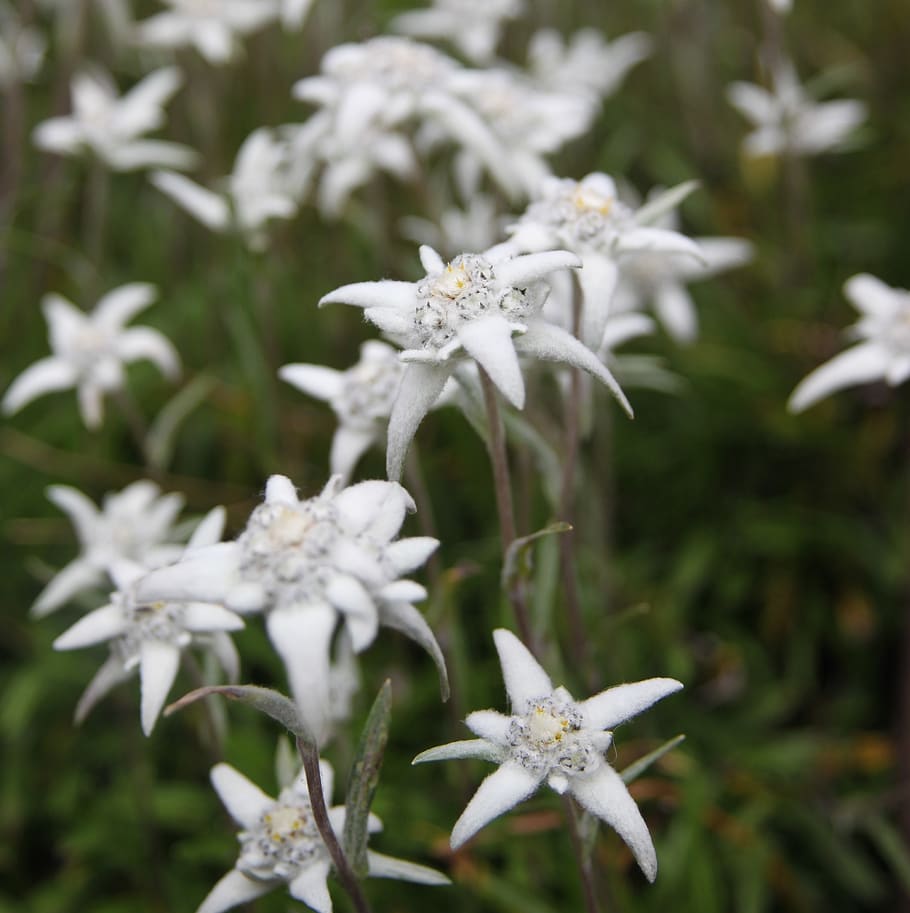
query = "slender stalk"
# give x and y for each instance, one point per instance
(496, 446)
(581, 857)
(135, 422)
(309, 754)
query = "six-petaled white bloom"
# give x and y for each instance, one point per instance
(786, 119)
(588, 217)
(310, 565)
(473, 26)
(478, 306)
(551, 738)
(211, 26)
(21, 48)
(281, 845)
(883, 352)
(135, 524)
(112, 127)
(362, 398)
(90, 351)
(586, 61)
(255, 192)
(152, 636)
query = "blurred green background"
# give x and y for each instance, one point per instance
(758, 557)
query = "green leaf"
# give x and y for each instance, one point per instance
(364, 779)
(162, 435)
(511, 566)
(637, 768)
(664, 202)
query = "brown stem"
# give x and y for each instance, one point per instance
(581, 857)
(309, 754)
(496, 446)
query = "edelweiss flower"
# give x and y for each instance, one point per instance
(135, 524)
(787, 120)
(281, 845)
(362, 398)
(256, 191)
(211, 26)
(90, 351)
(473, 26)
(552, 738)
(586, 61)
(111, 127)
(883, 352)
(21, 48)
(476, 227)
(309, 565)
(479, 306)
(588, 218)
(151, 636)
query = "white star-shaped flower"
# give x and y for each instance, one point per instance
(883, 350)
(213, 27)
(281, 845)
(310, 566)
(135, 524)
(786, 119)
(551, 738)
(90, 351)
(473, 26)
(255, 192)
(151, 637)
(112, 127)
(588, 217)
(482, 306)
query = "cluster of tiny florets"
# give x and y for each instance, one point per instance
(550, 736)
(157, 621)
(369, 390)
(463, 290)
(284, 840)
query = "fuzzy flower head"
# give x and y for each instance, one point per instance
(112, 127)
(550, 737)
(151, 636)
(280, 844)
(311, 566)
(91, 350)
(21, 48)
(883, 349)
(486, 307)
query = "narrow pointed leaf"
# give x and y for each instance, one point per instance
(635, 770)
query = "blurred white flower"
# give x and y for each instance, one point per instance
(211, 26)
(480, 306)
(111, 127)
(151, 636)
(786, 119)
(552, 738)
(476, 227)
(310, 565)
(135, 524)
(588, 217)
(586, 61)
(281, 845)
(883, 350)
(473, 26)
(255, 192)
(90, 351)
(295, 12)
(22, 48)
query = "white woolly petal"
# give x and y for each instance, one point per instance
(467, 748)
(211, 209)
(419, 390)
(63, 135)
(489, 725)
(315, 380)
(407, 555)
(348, 446)
(207, 575)
(45, 376)
(381, 866)
(203, 617)
(83, 513)
(754, 102)
(90, 398)
(243, 799)
(311, 886)
(120, 305)
(430, 260)
(616, 705)
(386, 293)
(597, 278)
(524, 677)
(158, 664)
(350, 597)
(146, 343)
(224, 651)
(622, 327)
(104, 681)
(214, 41)
(501, 790)
(489, 341)
(375, 508)
(403, 591)
(233, 889)
(827, 125)
(871, 297)
(676, 310)
(527, 268)
(662, 204)
(604, 795)
(281, 490)
(402, 616)
(861, 364)
(718, 255)
(657, 241)
(100, 625)
(75, 577)
(210, 529)
(551, 343)
(390, 320)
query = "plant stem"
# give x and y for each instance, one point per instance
(135, 422)
(496, 446)
(581, 857)
(309, 754)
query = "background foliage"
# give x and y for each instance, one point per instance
(759, 558)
